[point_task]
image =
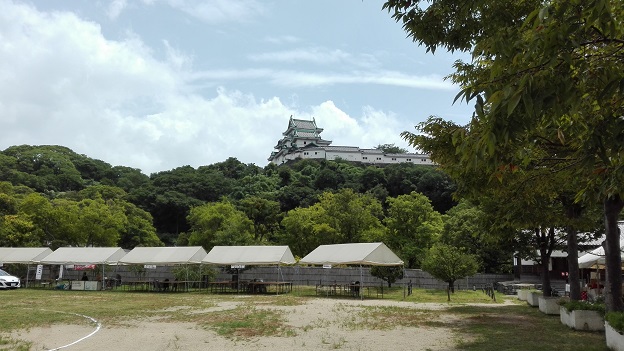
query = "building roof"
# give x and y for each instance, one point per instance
(342, 148)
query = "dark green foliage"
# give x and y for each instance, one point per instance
(164, 200)
(387, 274)
(573, 305)
(616, 320)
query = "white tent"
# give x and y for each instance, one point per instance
(84, 255)
(163, 256)
(596, 257)
(249, 255)
(25, 255)
(367, 254)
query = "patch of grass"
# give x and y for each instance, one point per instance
(14, 345)
(246, 322)
(390, 317)
(519, 328)
(440, 296)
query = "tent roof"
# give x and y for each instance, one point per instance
(249, 255)
(370, 254)
(164, 255)
(23, 254)
(597, 255)
(84, 255)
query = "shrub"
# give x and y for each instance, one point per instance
(572, 305)
(616, 320)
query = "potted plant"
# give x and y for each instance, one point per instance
(582, 315)
(614, 327)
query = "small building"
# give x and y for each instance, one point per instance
(302, 139)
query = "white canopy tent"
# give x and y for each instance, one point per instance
(165, 256)
(25, 255)
(85, 256)
(249, 255)
(596, 257)
(364, 254)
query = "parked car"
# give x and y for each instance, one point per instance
(8, 281)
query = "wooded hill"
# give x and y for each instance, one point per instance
(52, 196)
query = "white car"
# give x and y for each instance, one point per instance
(8, 281)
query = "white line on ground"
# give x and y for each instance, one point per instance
(99, 325)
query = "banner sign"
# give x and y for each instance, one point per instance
(327, 266)
(85, 267)
(238, 266)
(149, 266)
(39, 272)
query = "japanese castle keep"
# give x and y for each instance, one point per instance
(302, 139)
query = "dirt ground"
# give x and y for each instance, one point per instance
(318, 325)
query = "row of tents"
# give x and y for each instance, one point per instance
(367, 254)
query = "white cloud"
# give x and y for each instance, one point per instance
(65, 83)
(219, 11)
(283, 39)
(115, 8)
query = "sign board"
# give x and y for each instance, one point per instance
(149, 266)
(327, 266)
(39, 272)
(237, 266)
(77, 285)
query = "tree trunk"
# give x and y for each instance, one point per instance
(573, 267)
(613, 288)
(573, 212)
(546, 240)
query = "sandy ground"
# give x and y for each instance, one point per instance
(318, 325)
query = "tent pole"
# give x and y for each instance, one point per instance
(27, 273)
(361, 283)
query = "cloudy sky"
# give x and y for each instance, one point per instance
(158, 84)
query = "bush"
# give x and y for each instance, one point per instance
(572, 305)
(616, 320)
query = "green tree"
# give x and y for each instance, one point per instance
(303, 231)
(449, 264)
(466, 226)
(265, 215)
(389, 274)
(391, 149)
(100, 223)
(413, 226)
(139, 230)
(219, 223)
(540, 71)
(18, 231)
(355, 217)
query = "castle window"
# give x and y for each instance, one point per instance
(316, 153)
(365, 158)
(409, 160)
(378, 158)
(394, 159)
